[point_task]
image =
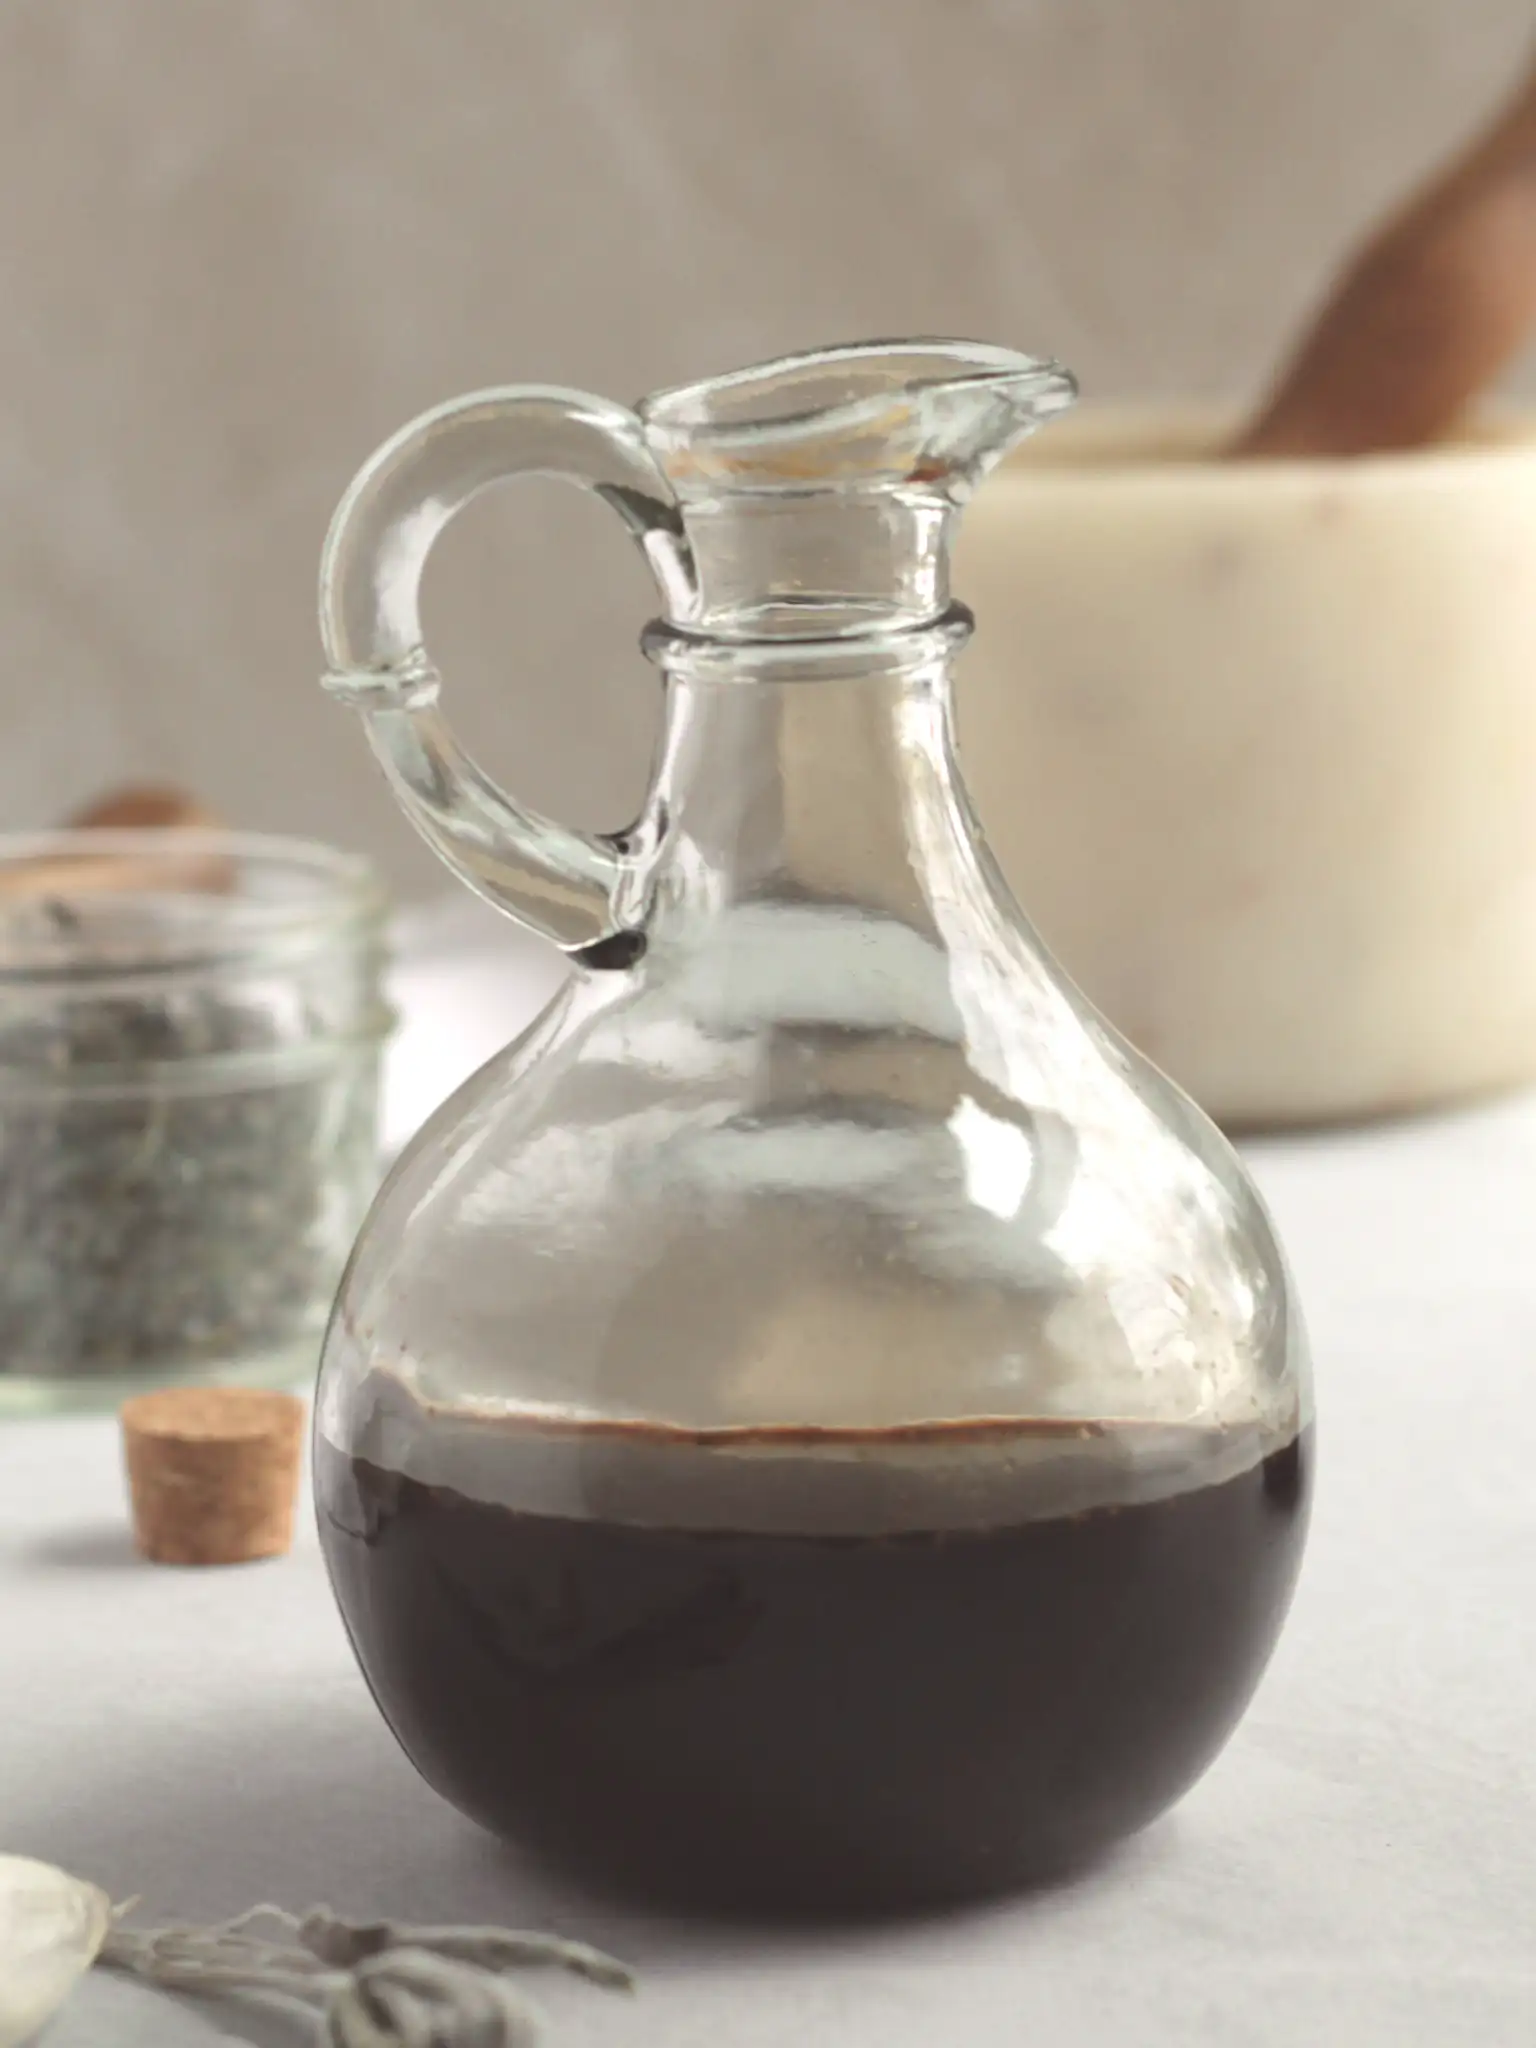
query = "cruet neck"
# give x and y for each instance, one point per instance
(818, 493)
(831, 788)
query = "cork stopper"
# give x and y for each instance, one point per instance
(145, 807)
(213, 1472)
(135, 850)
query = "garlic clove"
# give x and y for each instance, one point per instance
(51, 1928)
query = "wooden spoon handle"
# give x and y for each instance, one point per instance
(1428, 314)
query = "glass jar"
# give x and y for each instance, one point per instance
(819, 1420)
(191, 1027)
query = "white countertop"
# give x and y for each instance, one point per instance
(1358, 1869)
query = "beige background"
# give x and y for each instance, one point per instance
(244, 239)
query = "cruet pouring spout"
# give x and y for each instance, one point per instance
(818, 491)
(924, 415)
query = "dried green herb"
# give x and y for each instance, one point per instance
(177, 1184)
(372, 1984)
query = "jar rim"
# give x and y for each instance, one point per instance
(237, 897)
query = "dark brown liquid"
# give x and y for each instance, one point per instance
(813, 1721)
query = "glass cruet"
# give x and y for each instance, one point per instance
(818, 1420)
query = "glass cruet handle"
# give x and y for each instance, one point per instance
(576, 888)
